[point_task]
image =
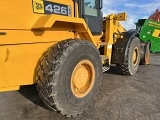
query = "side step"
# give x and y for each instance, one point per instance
(104, 58)
(103, 43)
(105, 62)
(104, 68)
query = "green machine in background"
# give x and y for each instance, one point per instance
(150, 32)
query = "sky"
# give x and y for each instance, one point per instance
(136, 9)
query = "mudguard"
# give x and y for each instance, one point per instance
(121, 45)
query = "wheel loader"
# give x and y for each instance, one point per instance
(64, 46)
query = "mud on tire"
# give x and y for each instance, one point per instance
(54, 76)
(131, 64)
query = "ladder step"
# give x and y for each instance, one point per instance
(104, 69)
(105, 61)
(104, 57)
(103, 43)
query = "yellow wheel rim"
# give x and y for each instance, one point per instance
(82, 78)
(135, 56)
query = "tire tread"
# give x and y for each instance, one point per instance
(49, 65)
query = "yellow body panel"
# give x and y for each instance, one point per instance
(19, 55)
(18, 14)
(25, 36)
(112, 26)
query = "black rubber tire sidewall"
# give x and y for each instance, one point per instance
(135, 43)
(66, 99)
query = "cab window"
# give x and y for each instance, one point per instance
(91, 7)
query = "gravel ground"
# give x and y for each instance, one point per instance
(121, 98)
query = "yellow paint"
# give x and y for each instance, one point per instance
(82, 79)
(38, 6)
(20, 67)
(135, 56)
(156, 33)
(113, 30)
(121, 16)
(109, 53)
(29, 33)
(11, 88)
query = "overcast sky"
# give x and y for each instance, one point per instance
(136, 9)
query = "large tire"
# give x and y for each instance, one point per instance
(131, 64)
(59, 76)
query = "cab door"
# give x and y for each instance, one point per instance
(90, 10)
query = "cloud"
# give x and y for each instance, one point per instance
(149, 7)
(129, 23)
(145, 17)
(110, 9)
(137, 9)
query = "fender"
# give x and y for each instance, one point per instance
(121, 45)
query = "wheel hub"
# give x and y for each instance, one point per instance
(135, 56)
(82, 79)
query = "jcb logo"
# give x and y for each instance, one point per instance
(38, 6)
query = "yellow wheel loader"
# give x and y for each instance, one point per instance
(64, 46)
